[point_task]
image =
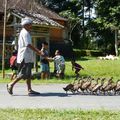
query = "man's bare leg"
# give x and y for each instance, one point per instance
(11, 85)
(28, 82)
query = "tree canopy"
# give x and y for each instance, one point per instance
(87, 31)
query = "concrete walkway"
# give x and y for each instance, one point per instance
(52, 96)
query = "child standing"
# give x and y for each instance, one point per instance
(76, 67)
(44, 61)
(59, 63)
(13, 64)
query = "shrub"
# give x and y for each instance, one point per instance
(94, 53)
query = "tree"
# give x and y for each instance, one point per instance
(108, 18)
(72, 10)
(94, 29)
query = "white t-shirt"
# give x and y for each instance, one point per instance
(23, 51)
(59, 63)
(59, 59)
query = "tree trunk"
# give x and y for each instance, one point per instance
(116, 44)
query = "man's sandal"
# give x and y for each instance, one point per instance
(33, 93)
(9, 89)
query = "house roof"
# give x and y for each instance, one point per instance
(37, 18)
(31, 6)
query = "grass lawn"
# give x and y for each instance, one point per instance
(47, 114)
(92, 67)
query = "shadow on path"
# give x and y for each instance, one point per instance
(50, 94)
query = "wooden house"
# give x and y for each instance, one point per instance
(47, 26)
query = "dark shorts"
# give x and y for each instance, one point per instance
(77, 70)
(24, 70)
(44, 67)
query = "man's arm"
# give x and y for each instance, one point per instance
(34, 49)
(49, 59)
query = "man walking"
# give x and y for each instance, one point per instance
(24, 57)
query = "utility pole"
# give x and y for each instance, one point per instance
(4, 34)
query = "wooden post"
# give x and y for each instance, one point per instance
(3, 50)
(15, 33)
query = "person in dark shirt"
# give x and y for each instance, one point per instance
(44, 61)
(77, 67)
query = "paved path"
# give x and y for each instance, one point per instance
(52, 96)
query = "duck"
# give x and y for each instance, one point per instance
(108, 87)
(113, 86)
(103, 87)
(76, 86)
(98, 86)
(86, 85)
(93, 84)
(117, 89)
(68, 87)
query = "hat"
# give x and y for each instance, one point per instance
(25, 21)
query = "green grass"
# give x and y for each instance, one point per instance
(47, 114)
(102, 68)
(92, 67)
(97, 68)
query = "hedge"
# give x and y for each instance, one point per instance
(94, 53)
